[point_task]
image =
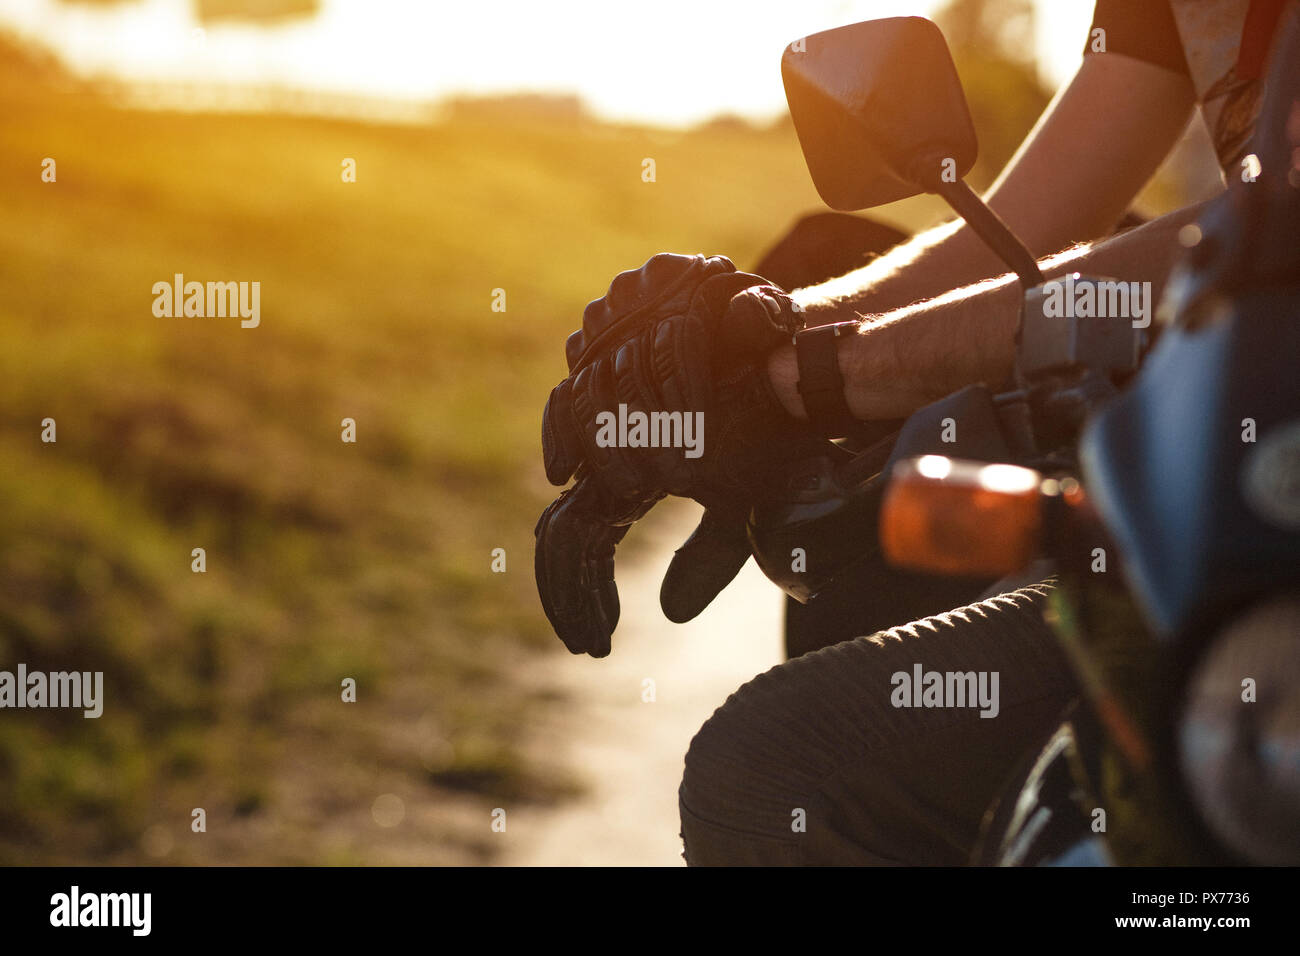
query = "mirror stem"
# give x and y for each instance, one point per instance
(990, 227)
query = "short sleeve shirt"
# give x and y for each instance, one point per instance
(1221, 45)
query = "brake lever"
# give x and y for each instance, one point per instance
(866, 464)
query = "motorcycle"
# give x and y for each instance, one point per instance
(1154, 466)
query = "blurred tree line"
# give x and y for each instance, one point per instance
(255, 11)
(992, 43)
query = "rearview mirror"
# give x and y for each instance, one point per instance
(879, 111)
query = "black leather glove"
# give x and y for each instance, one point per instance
(705, 564)
(686, 335)
(574, 564)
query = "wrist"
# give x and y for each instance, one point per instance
(814, 308)
(864, 402)
(809, 377)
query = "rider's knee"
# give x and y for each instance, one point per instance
(745, 786)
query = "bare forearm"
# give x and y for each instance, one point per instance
(1094, 147)
(905, 358)
(945, 257)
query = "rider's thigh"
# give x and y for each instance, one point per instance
(856, 754)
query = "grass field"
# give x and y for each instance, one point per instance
(325, 560)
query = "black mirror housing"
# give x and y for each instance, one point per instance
(879, 111)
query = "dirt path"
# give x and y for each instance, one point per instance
(629, 751)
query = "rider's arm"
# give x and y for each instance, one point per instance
(914, 355)
(1094, 148)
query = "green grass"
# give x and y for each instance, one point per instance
(325, 560)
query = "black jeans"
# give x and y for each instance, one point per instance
(814, 761)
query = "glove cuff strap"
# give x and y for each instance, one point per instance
(820, 385)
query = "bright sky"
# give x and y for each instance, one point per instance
(663, 61)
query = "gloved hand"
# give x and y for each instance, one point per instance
(705, 564)
(574, 563)
(686, 335)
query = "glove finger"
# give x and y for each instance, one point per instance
(681, 356)
(594, 402)
(561, 445)
(713, 294)
(574, 567)
(705, 564)
(681, 359)
(757, 319)
(658, 454)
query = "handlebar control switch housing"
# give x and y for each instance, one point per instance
(1083, 321)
